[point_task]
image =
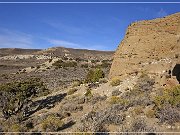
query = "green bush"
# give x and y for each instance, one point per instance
(138, 110)
(94, 75)
(12, 125)
(103, 80)
(62, 64)
(105, 65)
(118, 100)
(76, 83)
(51, 123)
(71, 91)
(150, 113)
(115, 82)
(88, 93)
(169, 96)
(14, 95)
(94, 61)
(14, 128)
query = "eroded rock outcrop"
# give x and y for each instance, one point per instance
(149, 46)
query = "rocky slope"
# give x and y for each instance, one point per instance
(16, 64)
(91, 103)
(151, 46)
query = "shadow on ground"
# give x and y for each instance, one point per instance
(48, 103)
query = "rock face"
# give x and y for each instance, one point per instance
(151, 46)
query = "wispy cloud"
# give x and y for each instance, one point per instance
(62, 43)
(161, 13)
(14, 39)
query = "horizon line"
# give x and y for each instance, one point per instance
(57, 47)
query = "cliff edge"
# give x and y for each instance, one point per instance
(151, 46)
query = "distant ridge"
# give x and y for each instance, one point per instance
(59, 52)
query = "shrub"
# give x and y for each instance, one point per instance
(76, 83)
(116, 92)
(138, 110)
(97, 121)
(51, 123)
(11, 125)
(94, 75)
(150, 113)
(114, 100)
(105, 64)
(168, 114)
(138, 125)
(62, 64)
(144, 83)
(115, 82)
(169, 96)
(118, 100)
(72, 107)
(94, 61)
(97, 98)
(96, 66)
(103, 80)
(14, 95)
(15, 128)
(72, 91)
(88, 93)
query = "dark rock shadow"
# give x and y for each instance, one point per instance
(176, 72)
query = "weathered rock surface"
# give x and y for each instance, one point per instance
(149, 46)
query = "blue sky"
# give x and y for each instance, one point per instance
(89, 26)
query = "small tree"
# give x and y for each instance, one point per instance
(13, 96)
(94, 75)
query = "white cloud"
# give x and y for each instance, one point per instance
(14, 39)
(63, 43)
(161, 13)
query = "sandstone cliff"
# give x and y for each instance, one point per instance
(151, 46)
